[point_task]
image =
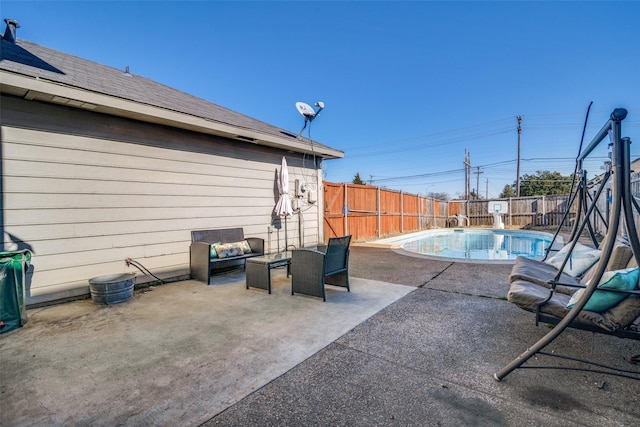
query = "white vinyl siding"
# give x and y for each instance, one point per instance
(84, 202)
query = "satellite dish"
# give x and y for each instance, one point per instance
(305, 110)
(308, 113)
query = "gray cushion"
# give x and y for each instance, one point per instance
(527, 295)
(624, 313)
(538, 272)
(620, 257)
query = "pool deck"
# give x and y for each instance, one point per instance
(415, 343)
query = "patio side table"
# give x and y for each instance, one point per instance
(258, 269)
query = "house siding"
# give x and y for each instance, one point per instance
(84, 191)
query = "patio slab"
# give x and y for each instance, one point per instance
(175, 355)
(416, 342)
(428, 360)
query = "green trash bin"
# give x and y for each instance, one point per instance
(13, 268)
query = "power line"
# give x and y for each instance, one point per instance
(424, 175)
(467, 160)
(436, 134)
(395, 149)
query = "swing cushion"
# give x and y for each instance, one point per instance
(528, 295)
(580, 259)
(540, 273)
(626, 280)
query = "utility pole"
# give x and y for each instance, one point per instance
(478, 181)
(370, 179)
(486, 191)
(467, 173)
(518, 171)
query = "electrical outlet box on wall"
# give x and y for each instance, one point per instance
(301, 188)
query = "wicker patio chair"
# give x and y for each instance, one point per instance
(312, 269)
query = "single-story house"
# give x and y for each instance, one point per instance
(99, 165)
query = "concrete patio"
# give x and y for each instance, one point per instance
(415, 343)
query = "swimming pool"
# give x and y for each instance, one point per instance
(481, 245)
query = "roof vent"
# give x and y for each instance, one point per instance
(10, 30)
(246, 138)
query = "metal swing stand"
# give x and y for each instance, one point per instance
(622, 203)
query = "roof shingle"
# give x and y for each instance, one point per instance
(33, 60)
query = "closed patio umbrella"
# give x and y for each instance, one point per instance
(283, 207)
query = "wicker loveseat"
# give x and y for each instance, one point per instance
(220, 250)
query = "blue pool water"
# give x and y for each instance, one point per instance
(475, 244)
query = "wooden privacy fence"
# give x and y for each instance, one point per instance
(365, 211)
(521, 211)
(368, 212)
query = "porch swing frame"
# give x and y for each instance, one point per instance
(623, 203)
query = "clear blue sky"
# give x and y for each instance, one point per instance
(408, 86)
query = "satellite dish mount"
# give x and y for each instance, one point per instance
(308, 113)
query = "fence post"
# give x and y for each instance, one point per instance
(544, 211)
(401, 212)
(510, 211)
(345, 212)
(419, 212)
(378, 211)
(433, 211)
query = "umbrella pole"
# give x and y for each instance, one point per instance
(286, 237)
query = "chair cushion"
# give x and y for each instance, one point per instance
(245, 247)
(212, 251)
(228, 250)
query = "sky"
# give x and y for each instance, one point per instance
(408, 87)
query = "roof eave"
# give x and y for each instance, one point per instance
(46, 91)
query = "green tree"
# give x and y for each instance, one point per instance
(507, 191)
(544, 183)
(357, 179)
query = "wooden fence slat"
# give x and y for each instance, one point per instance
(398, 212)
